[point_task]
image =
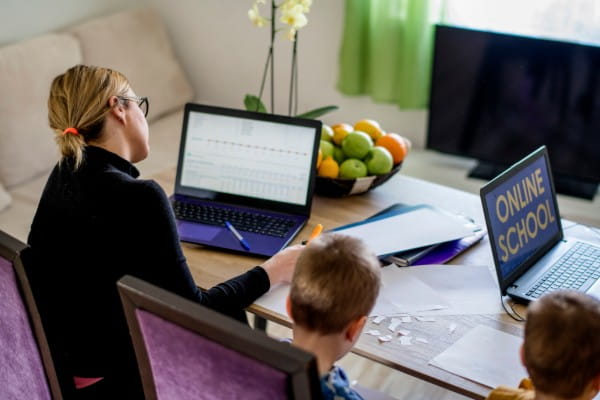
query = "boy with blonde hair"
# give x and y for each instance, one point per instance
(334, 287)
(561, 350)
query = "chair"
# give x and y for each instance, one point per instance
(187, 351)
(26, 367)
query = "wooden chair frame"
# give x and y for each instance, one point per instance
(11, 249)
(298, 365)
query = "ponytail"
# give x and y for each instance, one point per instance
(77, 107)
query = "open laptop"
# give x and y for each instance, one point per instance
(254, 171)
(531, 254)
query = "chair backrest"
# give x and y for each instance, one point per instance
(26, 367)
(187, 351)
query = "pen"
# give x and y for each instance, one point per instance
(316, 232)
(237, 235)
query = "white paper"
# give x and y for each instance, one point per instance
(405, 340)
(484, 355)
(401, 293)
(467, 289)
(274, 299)
(418, 228)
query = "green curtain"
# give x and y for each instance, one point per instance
(387, 48)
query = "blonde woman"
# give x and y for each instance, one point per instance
(97, 222)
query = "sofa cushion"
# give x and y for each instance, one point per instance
(135, 43)
(4, 198)
(164, 145)
(27, 69)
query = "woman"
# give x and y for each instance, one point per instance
(96, 222)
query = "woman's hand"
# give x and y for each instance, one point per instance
(280, 267)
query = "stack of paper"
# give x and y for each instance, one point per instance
(413, 228)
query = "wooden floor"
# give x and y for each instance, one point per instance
(379, 377)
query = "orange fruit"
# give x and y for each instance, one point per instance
(329, 168)
(395, 144)
(340, 131)
(370, 127)
(319, 158)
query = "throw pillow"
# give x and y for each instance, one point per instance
(135, 43)
(27, 68)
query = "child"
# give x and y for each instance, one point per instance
(334, 287)
(561, 350)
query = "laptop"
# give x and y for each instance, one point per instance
(245, 180)
(531, 254)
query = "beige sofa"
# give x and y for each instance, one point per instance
(134, 42)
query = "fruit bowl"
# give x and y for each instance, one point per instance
(340, 187)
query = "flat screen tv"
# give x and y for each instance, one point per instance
(497, 97)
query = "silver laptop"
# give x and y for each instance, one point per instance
(531, 254)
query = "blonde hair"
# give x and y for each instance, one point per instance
(79, 99)
(561, 347)
(336, 281)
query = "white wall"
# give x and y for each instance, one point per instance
(223, 54)
(21, 19)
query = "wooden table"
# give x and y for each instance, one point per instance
(210, 267)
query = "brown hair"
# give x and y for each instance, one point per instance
(79, 99)
(562, 346)
(337, 280)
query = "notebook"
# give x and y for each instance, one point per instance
(245, 180)
(438, 253)
(531, 254)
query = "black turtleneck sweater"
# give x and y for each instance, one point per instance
(92, 226)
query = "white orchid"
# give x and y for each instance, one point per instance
(293, 14)
(294, 17)
(254, 15)
(291, 34)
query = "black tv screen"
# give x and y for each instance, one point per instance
(497, 97)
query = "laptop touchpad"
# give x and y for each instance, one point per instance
(595, 290)
(196, 231)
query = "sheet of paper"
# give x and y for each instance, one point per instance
(418, 228)
(402, 293)
(484, 355)
(467, 289)
(275, 298)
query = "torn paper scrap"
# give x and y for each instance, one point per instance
(405, 340)
(451, 328)
(425, 319)
(373, 332)
(394, 324)
(385, 338)
(378, 319)
(404, 332)
(422, 340)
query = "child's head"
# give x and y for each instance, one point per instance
(336, 282)
(562, 343)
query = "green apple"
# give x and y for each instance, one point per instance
(338, 154)
(326, 149)
(357, 144)
(379, 161)
(353, 168)
(327, 133)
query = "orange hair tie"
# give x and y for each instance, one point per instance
(71, 130)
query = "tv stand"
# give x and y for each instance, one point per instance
(564, 184)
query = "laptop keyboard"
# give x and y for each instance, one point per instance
(577, 269)
(241, 220)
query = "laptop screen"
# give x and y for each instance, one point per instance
(521, 214)
(242, 154)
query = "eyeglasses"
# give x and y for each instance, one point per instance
(142, 102)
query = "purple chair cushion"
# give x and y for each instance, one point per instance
(188, 366)
(21, 370)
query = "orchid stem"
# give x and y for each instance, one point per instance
(272, 55)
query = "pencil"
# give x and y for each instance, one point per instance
(316, 232)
